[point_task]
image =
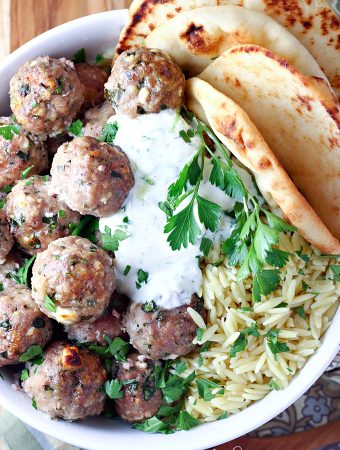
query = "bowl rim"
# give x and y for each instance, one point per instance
(205, 436)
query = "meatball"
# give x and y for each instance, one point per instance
(73, 280)
(144, 81)
(94, 332)
(46, 95)
(93, 79)
(161, 333)
(37, 218)
(22, 324)
(92, 177)
(68, 384)
(5, 237)
(96, 118)
(18, 153)
(141, 398)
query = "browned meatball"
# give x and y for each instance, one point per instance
(162, 333)
(46, 94)
(68, 384)
(92, 177)
(144, 81)
(94, 332)
(96, 118)
(36, 217)
(22, 324)
(141, 398)
(93, 79)
(18, 153)
(6, 240)
(73, 280)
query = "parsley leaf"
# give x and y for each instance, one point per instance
(30, 353)
(274, 344)
(8, 131)
(206, 388)
(205, 246)
(76, 128)
(277, 258)
(300, 311)
(50, 304)
(274, 385)
(21, 275)
(152, 425)
(117, 347)
(113, 389)
(209, 213)
(242, 341)
(336, 271)
(142, 277)
(25, 172)
(186, 421)
(109, 132)
(24, 375)
(110, 241)
(79, 56)
(264, 283)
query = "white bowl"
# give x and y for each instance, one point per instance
(97, 33)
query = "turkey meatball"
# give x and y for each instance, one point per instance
(36, 217)
(92, 177)
(73, 280)
(18, 152)
(162, 333)
(144, 81)
(141, 399)
(96, 118)
(93, 79)
(68, 384)
(46, 95)
(94, 332)
(22, 324)
(6, 240)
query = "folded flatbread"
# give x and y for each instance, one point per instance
(313, 22)
(236, 130)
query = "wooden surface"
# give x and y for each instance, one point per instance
(20, 21)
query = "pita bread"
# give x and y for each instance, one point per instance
(194, 38)
(297, 115)
(235, 129)
(313, 22)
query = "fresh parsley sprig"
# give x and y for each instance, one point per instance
(256, 232)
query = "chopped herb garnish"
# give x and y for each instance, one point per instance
(274, 344)
(305, 286)
(180, 367)
(109, 132)
(1, 287)
(24, 375)
(149, 306)
(76, 128)
(199, 333)
(206, 388)
(153, 425)
(61, 214)
(142, 277)
(87, 228)
(7, 189)
(113, 389)
(303, 256)
(282, 305)
(246, 309)
(242, 341)
(223, 416)
(110, 241)
(79, 56)
(205, 246)
(300, 311)
(60, 86)
(34, 404)
(21, 275)
(30, 353)
(50, 303)
(336, 271)
(117, 347)
(186, 421)
(25, 172)
(149, 181)
(8, 131)
(274, 385)
(127, 269)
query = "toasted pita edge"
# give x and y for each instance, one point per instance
(235, 129)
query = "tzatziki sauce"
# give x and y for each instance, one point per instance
(146, 267)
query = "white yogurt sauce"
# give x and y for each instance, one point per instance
(157, 154)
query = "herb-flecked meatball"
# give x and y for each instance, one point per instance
(92, 177)
(6, 240)
(95, 332)
(162, 333)
(46, 95)
(18, 152)
(73, 280)
(96, 118)
(93, 79)
(141, 399)
(68, 383)
(22, 324)
(36, 217)
(144, 81)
